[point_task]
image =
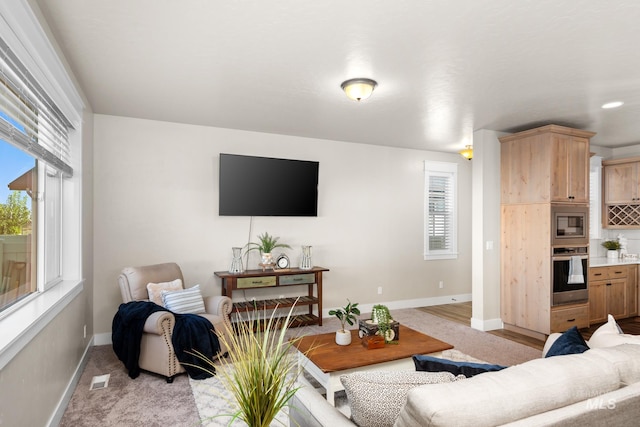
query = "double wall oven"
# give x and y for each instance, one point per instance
(569, 253)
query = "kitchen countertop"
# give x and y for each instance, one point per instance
(606, 262)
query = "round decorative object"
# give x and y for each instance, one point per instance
(282, 261)
(343, 338)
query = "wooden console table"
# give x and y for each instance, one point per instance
(255, 279)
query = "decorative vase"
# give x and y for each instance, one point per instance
(612, 254)
(306, 263)
(343, 337)
(236, 262)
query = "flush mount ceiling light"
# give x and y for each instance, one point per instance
(467, 153)
(358, 89)
(613, 104)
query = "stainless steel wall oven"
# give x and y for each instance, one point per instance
(569, 274)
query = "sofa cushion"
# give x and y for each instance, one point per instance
(376, 398)
(184, 301)
(523, 390)
(570, 342)
(625, 358)
(610, 335)
(468, 369)
(155, 290)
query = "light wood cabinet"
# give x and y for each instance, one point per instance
(547, 164)
(539, 167)
(612, 291)
(621, 181)
(621, 193)
(564, 317)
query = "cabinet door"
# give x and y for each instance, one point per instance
(597, 301)
(570, 169)
(617, 298)
(621, 183)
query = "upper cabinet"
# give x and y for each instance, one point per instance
(621, 181)
(546, 164)
(621, 193)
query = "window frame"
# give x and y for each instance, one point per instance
(449, 170)
(22, 322)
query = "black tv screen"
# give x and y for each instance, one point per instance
(263, 186)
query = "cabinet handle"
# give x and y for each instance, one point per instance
(608, 284)
(598, 274)
(571, 320)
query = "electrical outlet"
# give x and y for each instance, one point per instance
(441, 284)
(84, 331)
(379, 290)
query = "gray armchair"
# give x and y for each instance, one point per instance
(156, 351)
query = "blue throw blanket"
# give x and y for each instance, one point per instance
(190, 333)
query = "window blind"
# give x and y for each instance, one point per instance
(29, 118)
(440, 210)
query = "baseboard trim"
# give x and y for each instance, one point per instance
(411, 303)
(486, 325)
(102, 339)
(56, 418)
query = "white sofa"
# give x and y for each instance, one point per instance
(598, 387)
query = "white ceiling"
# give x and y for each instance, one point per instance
(444, 68)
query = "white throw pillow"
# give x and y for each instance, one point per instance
(610, 334)
(185, 301)
(376, 398)
(155, 290)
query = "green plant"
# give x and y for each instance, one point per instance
(346, 314)
(267, 244)
(612, 245)
(261, 369)
(381, 316)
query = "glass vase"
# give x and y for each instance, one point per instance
(236, 262)
(305, 263)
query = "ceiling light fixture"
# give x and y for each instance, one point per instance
(358, 89)
(467, 153)
(614, 104)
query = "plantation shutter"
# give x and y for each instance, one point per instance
(440, 210)
(29, 118)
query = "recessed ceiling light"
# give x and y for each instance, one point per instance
(614, 104)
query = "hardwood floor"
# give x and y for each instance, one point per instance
(461, 313)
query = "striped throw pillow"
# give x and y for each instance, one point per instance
(185, 301)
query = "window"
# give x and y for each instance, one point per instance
(35, 159)
(440, 210)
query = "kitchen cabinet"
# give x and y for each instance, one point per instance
(538, 168)
(610, 292)
(621, 181)
(621, 193)
(544, 165)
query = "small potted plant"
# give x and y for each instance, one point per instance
(346, 314)
(612, 248)
(266, 246)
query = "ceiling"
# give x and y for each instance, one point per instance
(444, 68)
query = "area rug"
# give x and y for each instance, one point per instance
(469, 344)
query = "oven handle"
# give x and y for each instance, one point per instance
(568, 257)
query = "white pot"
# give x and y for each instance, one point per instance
(612, 254)
(343, 338)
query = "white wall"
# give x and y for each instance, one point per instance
(156, 189)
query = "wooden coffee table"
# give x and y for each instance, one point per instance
(326, 361)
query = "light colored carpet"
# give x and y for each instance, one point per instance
(149, 401)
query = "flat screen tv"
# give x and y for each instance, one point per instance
(264, 186)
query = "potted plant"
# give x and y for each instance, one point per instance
(266, 245)
(380, 316)
(612, 248)
(260, 372)
(346, 314)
